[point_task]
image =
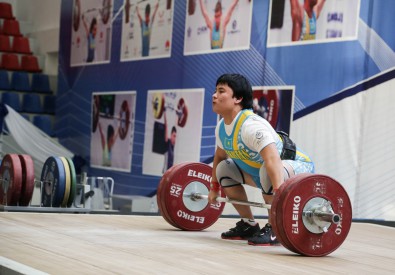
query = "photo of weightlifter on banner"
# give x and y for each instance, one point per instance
(275, 104)
(112, 134)
(91, 32)
(173, 129)
(296, 22)
(217, 25)
(146, 29)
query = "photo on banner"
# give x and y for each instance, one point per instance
(147, 27)
(112, 132)
(217, 25)
(91, 32)
(299, 22)
(275, 104)
(173, 129)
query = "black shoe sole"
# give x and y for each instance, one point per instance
(264, 244)
(235, 238)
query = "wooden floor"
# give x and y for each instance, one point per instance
(126, 244)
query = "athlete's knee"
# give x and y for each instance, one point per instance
(228, 173)
(266, 183)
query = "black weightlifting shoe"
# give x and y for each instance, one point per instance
(265, 237)
(242, 231)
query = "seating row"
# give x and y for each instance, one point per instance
(10, 32)
(24, 82)
(27, 63)
(6, 11)
(19, 44)
(10, 27)
(30, 103)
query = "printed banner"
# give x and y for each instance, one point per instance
(213, 26)
(112, 134)
(146, 29)
(296, 22)
(173, 129)
(91, 32)
(275, 104)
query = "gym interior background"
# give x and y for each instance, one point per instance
(341, 85)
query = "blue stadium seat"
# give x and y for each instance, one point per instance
(49, 105)
(4, 80)
(20, 81)
(12, 100)
(32, 103)
(44, 123)
(40, 83)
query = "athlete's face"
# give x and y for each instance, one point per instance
(94, 30)
(223, 100)
(147, 19)
(173, 138)
(312, 3)
(217, 18)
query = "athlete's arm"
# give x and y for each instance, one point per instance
(102, 138)
(85, 25)
(230, 11)
(164, 116)
(219, 156)
(205, 15)
(273, 165)
(297, 17)
(318, 7)
(153, 15)
(138, 14)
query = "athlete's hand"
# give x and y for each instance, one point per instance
(212, 196)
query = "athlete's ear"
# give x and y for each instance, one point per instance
(238, 100)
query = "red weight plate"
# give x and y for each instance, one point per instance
(160, 197)
(27, 180)
(267, 105)
(305, 187)
(11, 180)
(95, 112)
(124, 116)
(280, 213)
(183, 211)
(276, 218)
(183, 115)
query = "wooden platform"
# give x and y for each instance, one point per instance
(126, 244)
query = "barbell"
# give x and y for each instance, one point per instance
(311, 214)
(124, 116)
(159, 105)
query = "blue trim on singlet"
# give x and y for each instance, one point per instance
(215, 38)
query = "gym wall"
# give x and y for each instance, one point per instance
(341, 83)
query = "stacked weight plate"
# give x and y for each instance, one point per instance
(17, 180)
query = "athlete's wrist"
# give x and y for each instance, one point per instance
(214, 186)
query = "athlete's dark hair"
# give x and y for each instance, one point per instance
(110, 132)
(147, 9)
(218, 6)
(93, 24)
(241, 88)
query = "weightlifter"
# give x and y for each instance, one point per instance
(249, 151)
